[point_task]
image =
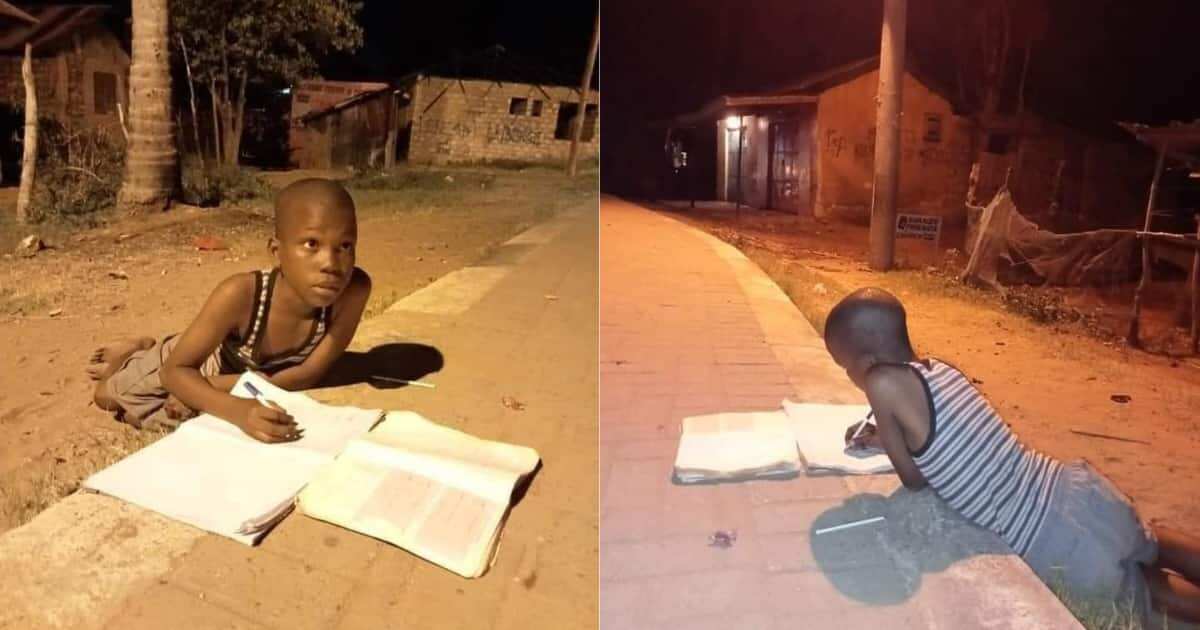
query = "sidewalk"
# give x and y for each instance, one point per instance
(521, 324)
(690, 326)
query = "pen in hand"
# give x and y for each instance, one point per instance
(266, 402)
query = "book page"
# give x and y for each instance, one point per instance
(411, 432)
(367, 491)
(820, 432)
(211, 475)
(731, 443)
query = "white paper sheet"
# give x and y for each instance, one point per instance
(736, 446)
(820, 431)
(211, 475)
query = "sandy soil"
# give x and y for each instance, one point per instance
(1045, 379)
(146, 277)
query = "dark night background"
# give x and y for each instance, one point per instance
(1098, 60)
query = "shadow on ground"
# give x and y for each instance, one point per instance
(384, 366)
(883, 563)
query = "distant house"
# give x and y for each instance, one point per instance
(81, 68)
(809, 147)
(471, 112)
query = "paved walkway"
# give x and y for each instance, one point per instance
(521, 324)
(690, 326)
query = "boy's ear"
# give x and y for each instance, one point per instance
(273, 248)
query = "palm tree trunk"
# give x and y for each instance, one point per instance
(152, 160)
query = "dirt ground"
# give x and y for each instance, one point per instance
(1046, 379)
(147, 277)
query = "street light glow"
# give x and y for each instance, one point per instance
(733, 122)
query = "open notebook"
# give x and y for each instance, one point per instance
(736, 447)
(211, 475)
(436, 492)
(820, 431)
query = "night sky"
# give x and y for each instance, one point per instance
(1097, 59)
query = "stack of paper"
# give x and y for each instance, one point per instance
(736, 447)
(211, 475)
(439, 493)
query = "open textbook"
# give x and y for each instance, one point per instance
(436, 492)
(736, 447)
(212, 476)
(773, 444)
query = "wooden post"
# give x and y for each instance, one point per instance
(1132, 338)
(585, 88)
(29, 154)
(887, 138)
(1196, 291)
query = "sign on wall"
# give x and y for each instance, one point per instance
(921, 226)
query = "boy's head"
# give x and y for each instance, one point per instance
(866, 328)
(315, 236)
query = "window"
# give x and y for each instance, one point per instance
(535, 109)
(933, 127)
(516, 106)
(998, 143)
(104, 92)
(566, 112)
(562, 126)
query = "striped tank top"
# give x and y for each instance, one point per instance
(973, 460)
(236, 355)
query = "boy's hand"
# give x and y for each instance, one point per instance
(267, 424)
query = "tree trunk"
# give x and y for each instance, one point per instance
(152, 160)
(192, 99)
(216, 122)
(1133, 336)
(232, 122)
(29, 155)
(887, 138)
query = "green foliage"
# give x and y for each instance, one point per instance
(270, 41)
(78, 173)
(213, 185)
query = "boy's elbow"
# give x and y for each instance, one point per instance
(913, 484)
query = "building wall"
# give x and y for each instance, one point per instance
(64, 75)
(312, 146)
(933, 174)
(470, 121)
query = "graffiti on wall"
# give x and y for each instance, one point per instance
(513, 133)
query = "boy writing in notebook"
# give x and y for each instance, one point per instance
(290, 323)
(1066, 520)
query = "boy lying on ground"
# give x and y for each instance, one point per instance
(290, 323)
(1073, 527)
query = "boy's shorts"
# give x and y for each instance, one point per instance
(1092, 543)
(138, 389)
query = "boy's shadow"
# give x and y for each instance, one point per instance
(385, 366)
(883, 563)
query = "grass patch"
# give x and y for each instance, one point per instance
(27, 491)
(210, 185)
(1097, 614)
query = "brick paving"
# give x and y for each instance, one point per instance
(689, 326)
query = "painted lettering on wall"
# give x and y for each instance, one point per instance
(446, 127)
(513, 133)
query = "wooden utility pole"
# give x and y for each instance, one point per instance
(1132, 338)
(29, 155)
(1195, 291)
(585, 89)
(887, 136)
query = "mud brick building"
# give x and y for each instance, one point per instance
(81, 68)
(476, 111)
(809, 147)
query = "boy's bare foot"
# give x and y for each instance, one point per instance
(108, 358)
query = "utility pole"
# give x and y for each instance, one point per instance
(584, 89)
(887, 135)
